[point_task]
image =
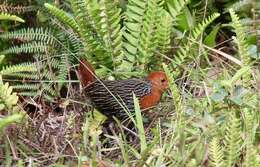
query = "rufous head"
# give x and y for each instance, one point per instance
(159, 80)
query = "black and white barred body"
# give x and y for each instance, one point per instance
(112, 98)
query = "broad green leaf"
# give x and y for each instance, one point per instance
(210, 39)
(253, 52)
(186, 21)
(2, 58)
(219, 93)
(218, 96)
(6, 16)
(238, 94)
(139, 124)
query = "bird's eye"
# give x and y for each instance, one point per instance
(163, 80)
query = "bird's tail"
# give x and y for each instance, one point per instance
(86, 73)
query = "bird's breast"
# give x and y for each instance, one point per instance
(150, 100)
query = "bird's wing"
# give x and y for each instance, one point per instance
(139, 87)
(143, 88)
(120, 94)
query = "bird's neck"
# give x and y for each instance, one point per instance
(152, 99)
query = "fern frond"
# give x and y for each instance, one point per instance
(183, 52)
(44, 89)
(164, 30)
(38, 88)
(49, 91)
(25, 75)
(47, 74)
(26, 87)
(7, 8)
(242, 44)
(87, 33)
(232, 139)
(133, 27)
(148, 37)
(76, 44)
(192, 163)
(176, 95)
(176, 6)
(54, 63)
(32, 47)
(215, 153)
(7, 98)
(25, 67)
(63, 69)
(141, 29)
(111, 29)
(63, 17)
(198, 30)
(29, 93)
(31, 34)
(251, 155)
(241, 38)
(42, 58)
(6, 16)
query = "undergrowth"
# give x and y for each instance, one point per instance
(209, 117)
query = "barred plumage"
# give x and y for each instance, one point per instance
(114, 97)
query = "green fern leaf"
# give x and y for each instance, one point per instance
(164, 30)
(32, 47)
(241, 38)
(232, 139)
(29, 93)
(63, 17)
(88, 35)
(143, 28)
(8, 8)
(6, 16)
(242, 44)
(7, 98)
(26, 87)
(133, 27)
(31, 34)
(19, 68)
(251, 154)
(192, 163)
(111, 29)
(183, 53)
(176, 6)
(63, 70)
(215, 153)
(175, 92)
(148, 37)
(24, 75)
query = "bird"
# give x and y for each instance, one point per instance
(115, 97)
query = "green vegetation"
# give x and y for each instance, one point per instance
(208, 49)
